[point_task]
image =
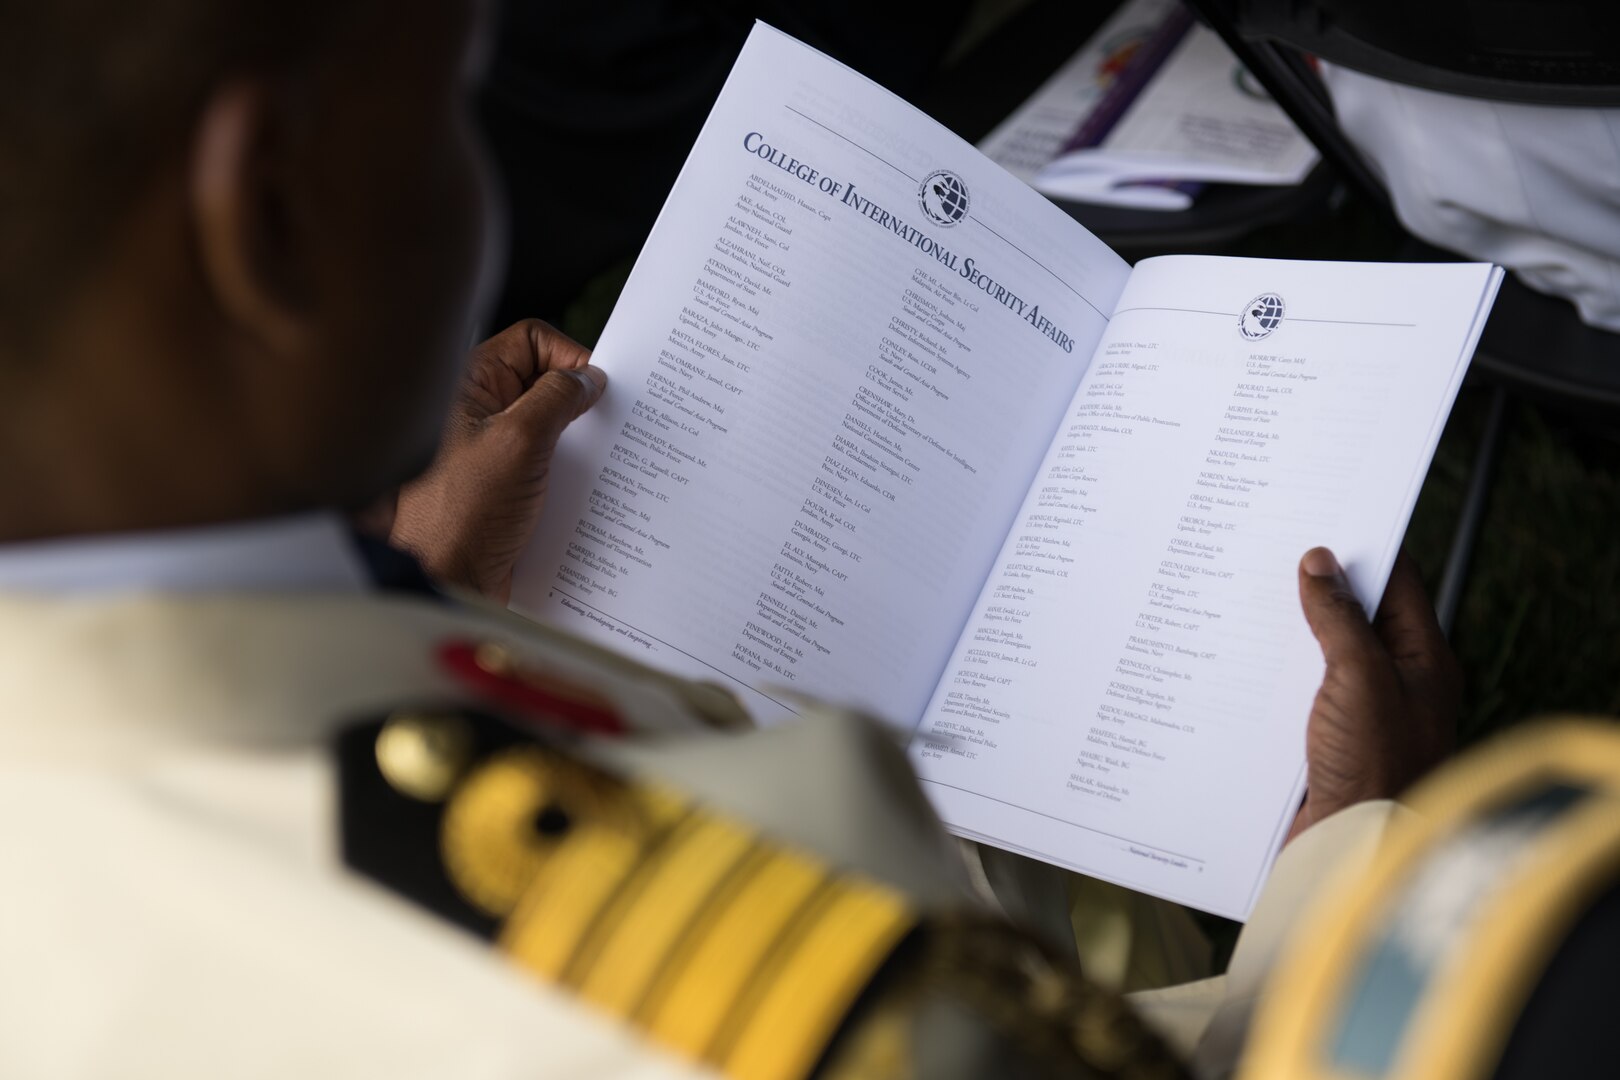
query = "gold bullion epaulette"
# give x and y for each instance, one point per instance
(717, 942)
(1481, 940)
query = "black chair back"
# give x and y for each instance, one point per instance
(1539, 52)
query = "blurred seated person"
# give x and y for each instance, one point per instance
(1532, 187)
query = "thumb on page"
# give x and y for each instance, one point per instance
(555, 400)
(1383, 715)
(1336, 617)
(1352, 744)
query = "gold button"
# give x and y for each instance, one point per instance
(423, 754)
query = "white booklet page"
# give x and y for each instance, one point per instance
(886, 428)
(1130, 694)
(825, 404)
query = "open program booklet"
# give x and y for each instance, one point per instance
(887, 428)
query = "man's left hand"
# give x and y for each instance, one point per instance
(471, 514)
(1387, 710)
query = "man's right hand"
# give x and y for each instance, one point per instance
(470, 516)
(1387, 709)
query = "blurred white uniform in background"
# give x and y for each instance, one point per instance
(1534, 188)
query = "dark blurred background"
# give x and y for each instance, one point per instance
(592, 108)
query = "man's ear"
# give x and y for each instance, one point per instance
(242, 208)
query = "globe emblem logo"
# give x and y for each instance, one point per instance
(944, 197)
(1261, 316)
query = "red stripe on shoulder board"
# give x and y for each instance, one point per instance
(490, 671)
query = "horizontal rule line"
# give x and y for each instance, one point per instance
(1188, 310)
(1064, 821)
(1286, 318)
(852, 142)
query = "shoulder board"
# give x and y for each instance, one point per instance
(721, 945)
(725, 946)
(1480, 941)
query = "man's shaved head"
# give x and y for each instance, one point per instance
(96, 94)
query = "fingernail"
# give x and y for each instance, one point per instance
(1320, 563)
(593, 380)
